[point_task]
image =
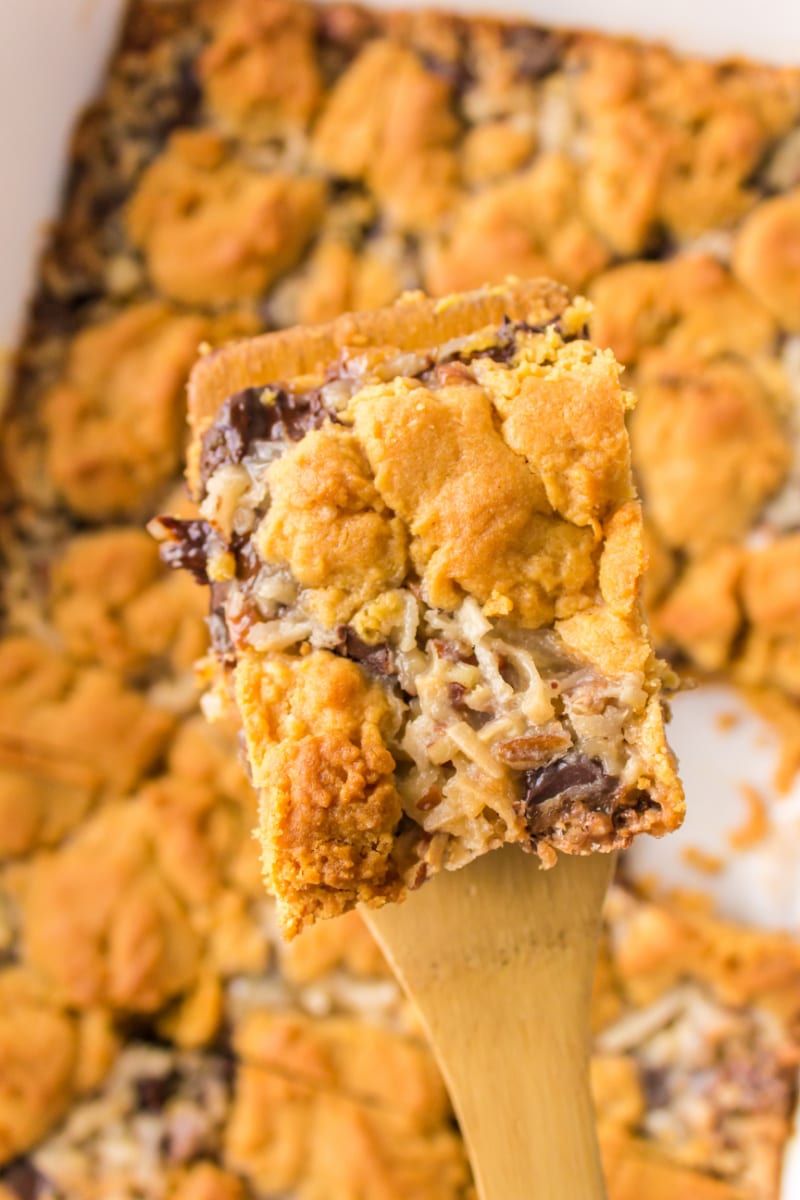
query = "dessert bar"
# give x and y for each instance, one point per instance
(424, 556)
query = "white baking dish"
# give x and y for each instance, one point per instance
(52, 53)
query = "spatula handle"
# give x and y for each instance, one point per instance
(506, 1004)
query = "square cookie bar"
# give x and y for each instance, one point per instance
(424, 552)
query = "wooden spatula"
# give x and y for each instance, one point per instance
(498, 958)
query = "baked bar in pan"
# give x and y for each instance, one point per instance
(424, 553)
(694, 1068)
(645, 177)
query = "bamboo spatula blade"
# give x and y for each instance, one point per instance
(499, 958)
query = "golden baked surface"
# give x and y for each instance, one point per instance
(425, 561)
(351, 156)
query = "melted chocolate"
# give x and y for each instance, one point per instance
(505, 346)
(539, 52)
(655, 1085)
(375, 658)
(576, 791)
(189, 546)
(244, 418)
(570, 779)
(454, 71)
(23, 1180)
(153, 1091)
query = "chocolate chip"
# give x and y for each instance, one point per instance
(655, 1085)
(153, 1091)
(298, 415)
(245, 418)
(581, 779)
(454, 71)
(248, 563)
(22, 1179)
(502, 352)
(376, 658)
(527, 327)
(538, 51)
(242, 419)
(637, 804)
(660, 244)
(188, 94)
(188, 546)
(505, 347)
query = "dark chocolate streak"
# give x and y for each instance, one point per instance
(244, 418)
(569, 781)
(378, 658)
(506, 344)
(153, 1091)
(655, 1085)
(570, 775)
(189, 546)
(23, 1180)
(539, 52)
(455, 72)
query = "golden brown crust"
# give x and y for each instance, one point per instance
(112, 603)
(710, 448)
(672, 143)
(338, 1053)
(260, 71)
(214, 231)
(115, 419)
(344, 562)
(520, 559)
(702, 613)
(690, 305)
(529, 225)
(68, 740)
(633, 1170)
(49, 1057)
(771, 654)
(310, 1112)
(413, 324)
(336, 278)
(130, 942)
(766, 257)
(313, 727)
(345, 942)
(388, 121)
(204, 1181)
